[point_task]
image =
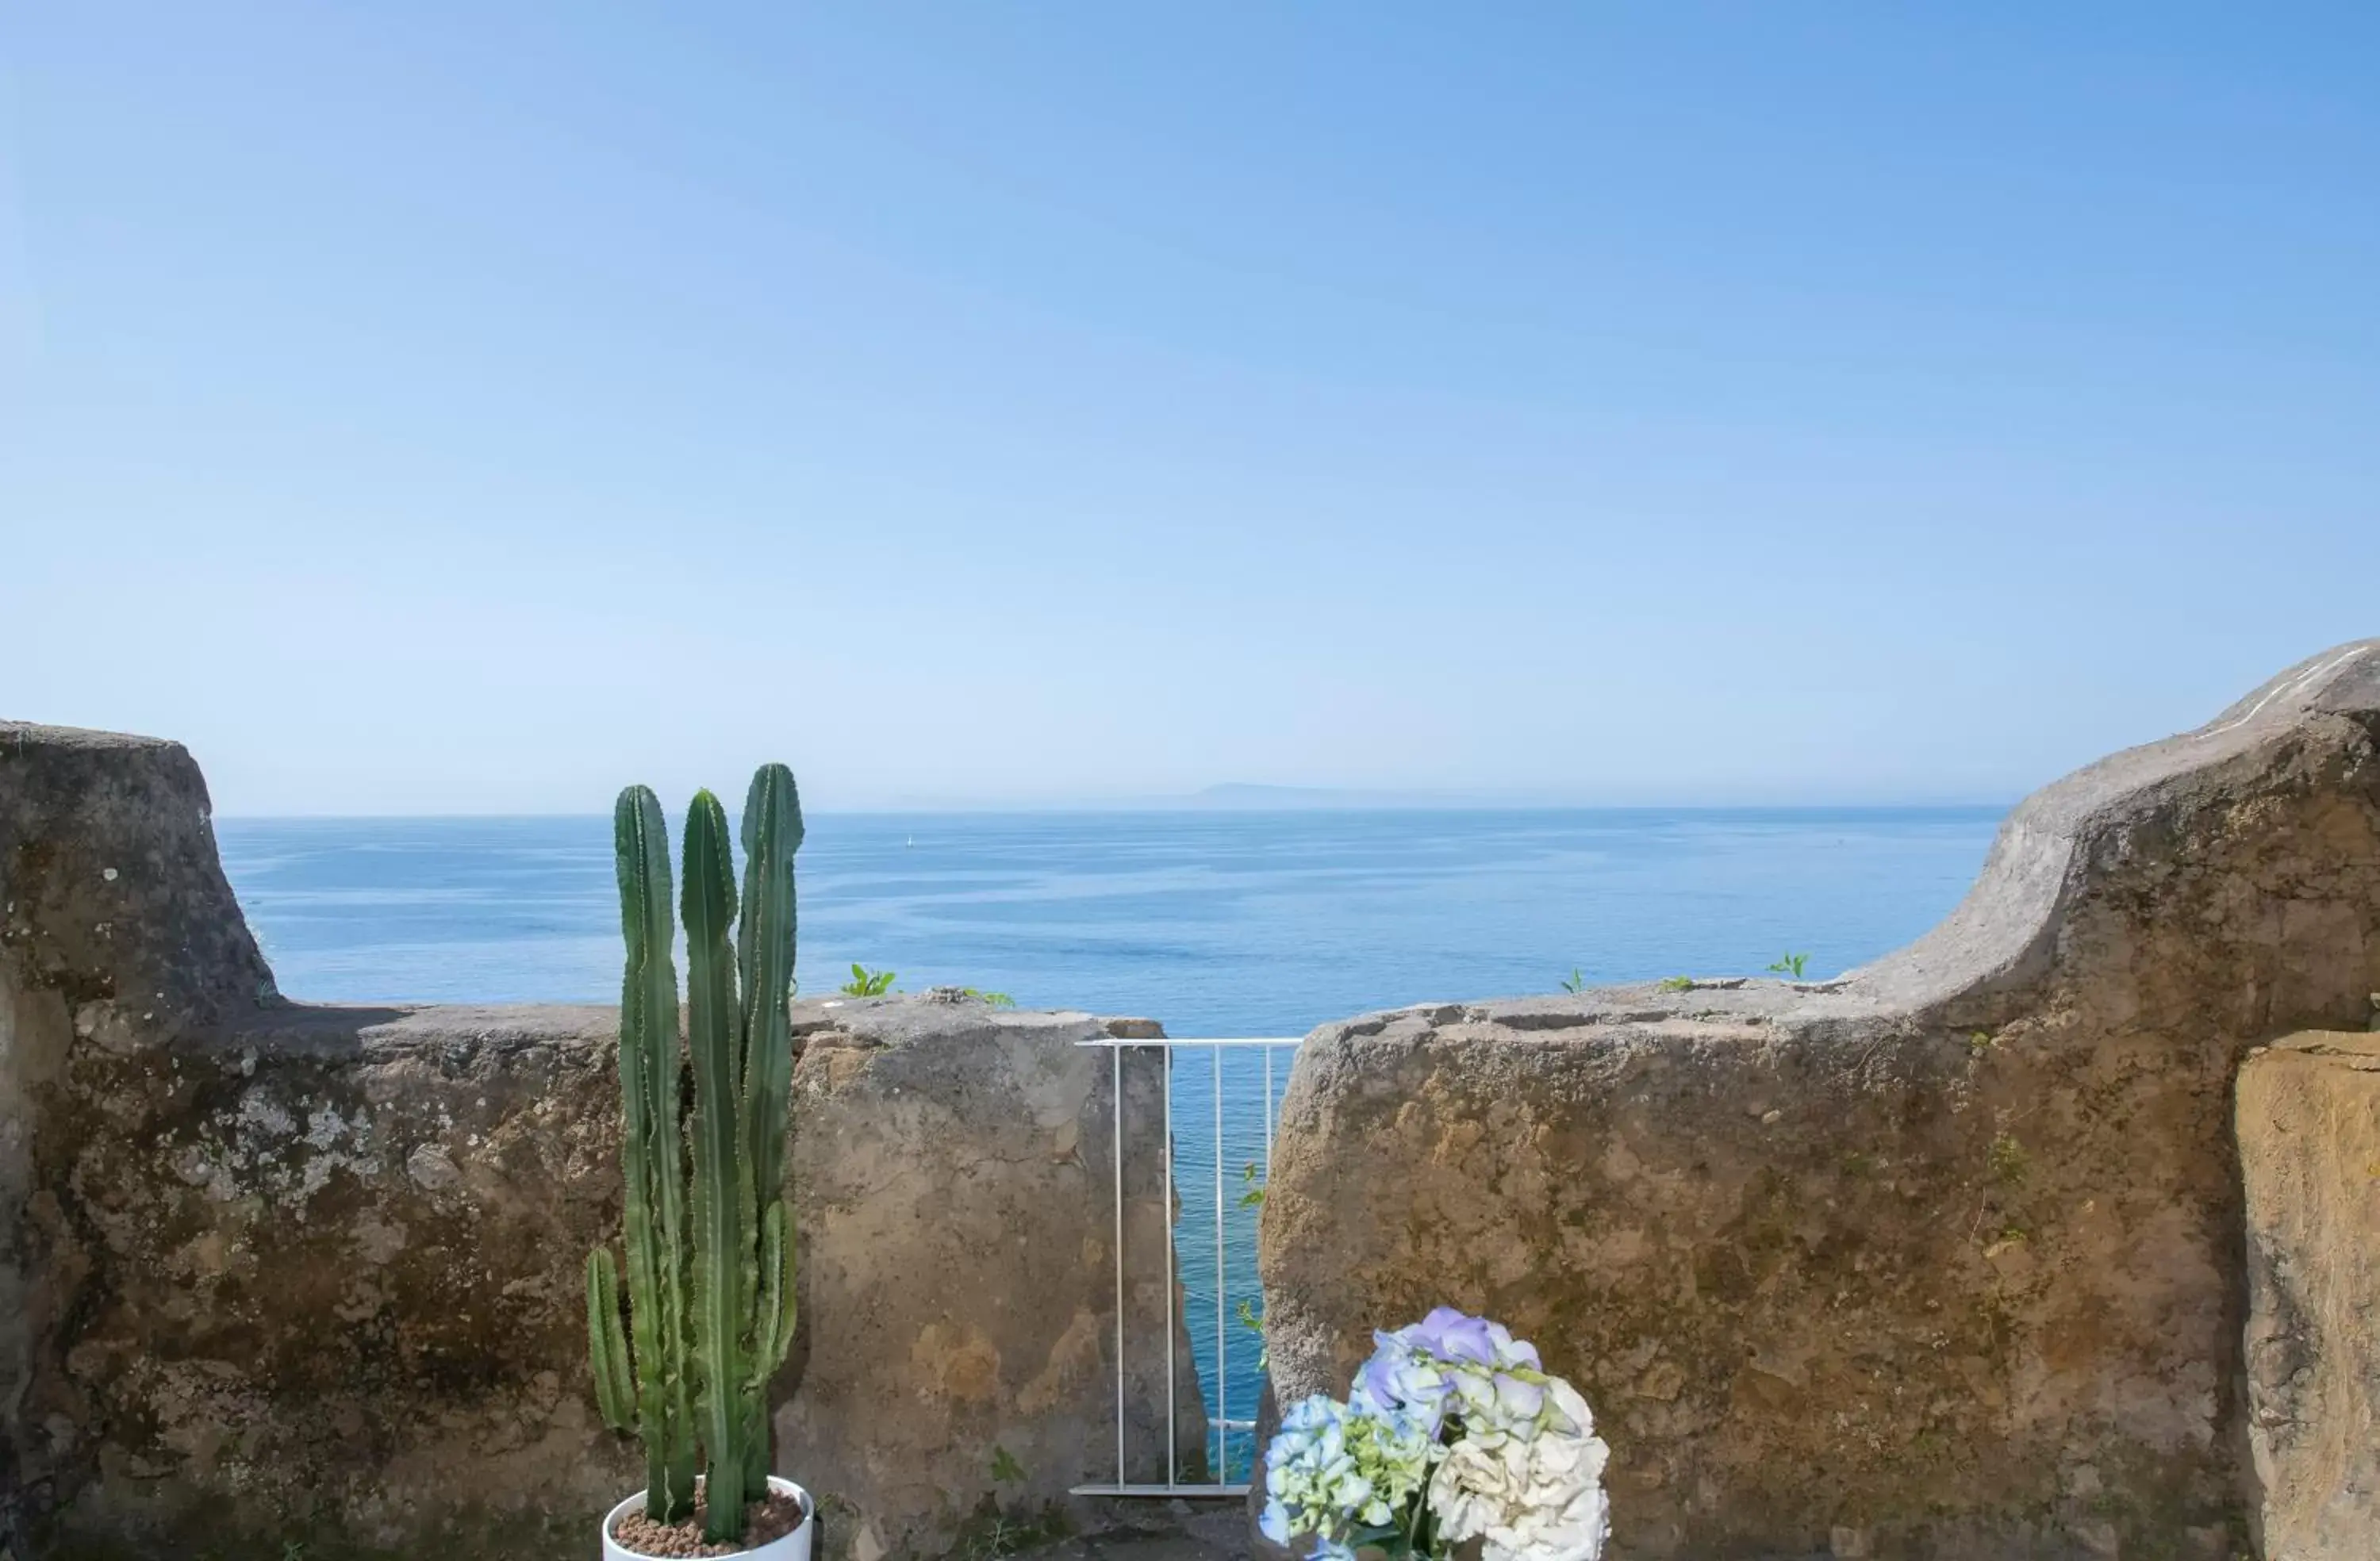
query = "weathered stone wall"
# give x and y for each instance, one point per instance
(957, 1199)
(316, 1278)
(2309, 1122)
(272, 1272)
(1943, 1259)
(113, 914)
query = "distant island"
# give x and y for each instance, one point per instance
(1275, 799)
(1235, 797)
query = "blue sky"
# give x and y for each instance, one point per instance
(472, 408)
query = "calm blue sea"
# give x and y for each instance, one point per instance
(1216, 923)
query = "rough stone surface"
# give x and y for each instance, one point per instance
(277, 1274)
(114, 918)
(1943, 1259)
(110, 888)
(1186, 1538)
(2309, 1124)
(958, 1176)
(316, 1279)
(1268, 1422)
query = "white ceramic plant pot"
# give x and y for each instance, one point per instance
(794, 1546)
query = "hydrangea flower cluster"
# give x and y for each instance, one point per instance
(1452, 1432)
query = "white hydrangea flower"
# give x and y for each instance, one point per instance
(1531, 1497)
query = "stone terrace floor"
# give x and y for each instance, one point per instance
(1178, 1532)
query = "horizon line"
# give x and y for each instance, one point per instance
(1185, 804)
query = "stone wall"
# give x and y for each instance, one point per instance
(1942, 1259)
(1947, 1258)
(2309, 1123)
(956, 1193)
(114, 915)
(316, 1277)
(276, 1274)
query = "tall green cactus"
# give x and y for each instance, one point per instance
(710, 1291)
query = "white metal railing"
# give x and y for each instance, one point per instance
(1220, 1424)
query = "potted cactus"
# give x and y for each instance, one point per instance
(708, 1234)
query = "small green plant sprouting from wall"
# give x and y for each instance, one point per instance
(1252, 1196)
(1253, 1320)
(1576, 981)
(2009, 1164)
(1677, 984)
(1792, 966)
(996, 1533)
(1982, 1041)
(866, 983)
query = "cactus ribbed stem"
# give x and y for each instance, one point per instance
(724, 1232)
(654, 1216)
(773, 1334)
(607, 1348)
(708, 1237)
(772, 832)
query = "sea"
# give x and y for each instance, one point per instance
(1217, 923)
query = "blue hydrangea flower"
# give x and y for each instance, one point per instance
(1451, 1362)
(1453, 1336)
(1399, 1377)
(1337, 1467)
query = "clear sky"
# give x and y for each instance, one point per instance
(436, 407)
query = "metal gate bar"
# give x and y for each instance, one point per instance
(1221, 1421)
